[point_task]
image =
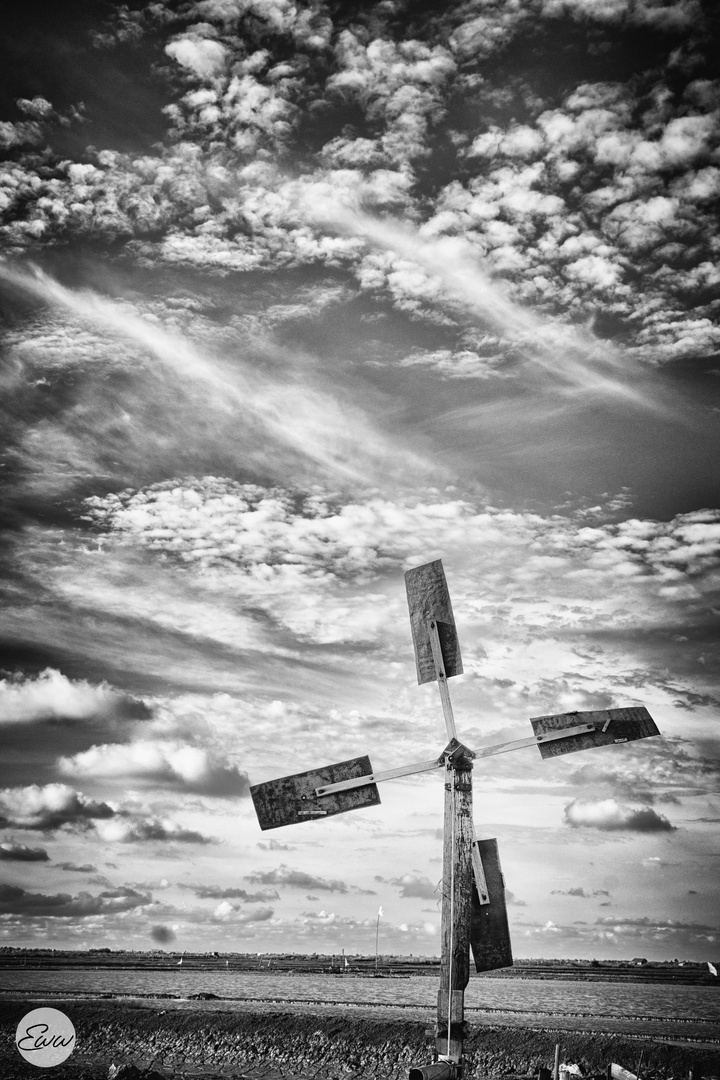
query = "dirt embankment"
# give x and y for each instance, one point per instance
(282, 1045)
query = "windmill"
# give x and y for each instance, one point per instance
(473, 914)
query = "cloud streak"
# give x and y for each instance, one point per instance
(291, 413)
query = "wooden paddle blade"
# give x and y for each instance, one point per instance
(291, 799)
(611, 726)
(489, 930)
(428, 598)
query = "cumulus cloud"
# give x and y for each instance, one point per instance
(203, 56)
(411, 885)
(22, 853)
(299, 879)
(146, 830)
(272, 533)
(561, 194)
(52, 696)
(611, 816)
(177, 765)
(16, 901)
(217, 892)
(225, 912)
(50, 807)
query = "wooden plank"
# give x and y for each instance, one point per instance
(292, 799)
(456, 904)
(454, 1008)
(610, 726)
(481, 889)
(489, 930)
(429, 599)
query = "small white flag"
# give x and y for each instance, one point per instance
(711, 968)
(380, 911)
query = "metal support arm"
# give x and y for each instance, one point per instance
(534, 740)
(377, 777)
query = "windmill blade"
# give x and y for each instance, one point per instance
(489, 930)
(291, 799)
(608, 726)
(429, 600)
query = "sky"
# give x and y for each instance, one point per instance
(298, 296)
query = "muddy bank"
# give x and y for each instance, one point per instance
(282, 1045)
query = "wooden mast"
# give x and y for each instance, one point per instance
(456, 906)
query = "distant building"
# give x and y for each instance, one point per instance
(638, 961)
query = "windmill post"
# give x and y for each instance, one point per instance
(473, 913)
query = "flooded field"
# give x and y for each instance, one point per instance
(683, 1012)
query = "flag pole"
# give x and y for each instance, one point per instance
(377, 937)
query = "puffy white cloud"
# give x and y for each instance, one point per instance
(179, 765)
(49, 807)
(22, 133)
(271, 533)
(38, 107)
(611, 816)
(51, 695)
(203, 56)
(226, 913)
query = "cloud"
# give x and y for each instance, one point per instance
(287, 552)
(50, 807)
(256, 416)
(202, 56)
(215, 892)
(22, 853)
(297, 879)
(460, 364)
(666, 769)
(580, 891)
(162, 934)
(225, 912)
(52, 696)
(82, 868)
(16, 901)
(177, 765)
(145, 830)
(414, 886)
(645, 926)
(557, 190)
(609, 816)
